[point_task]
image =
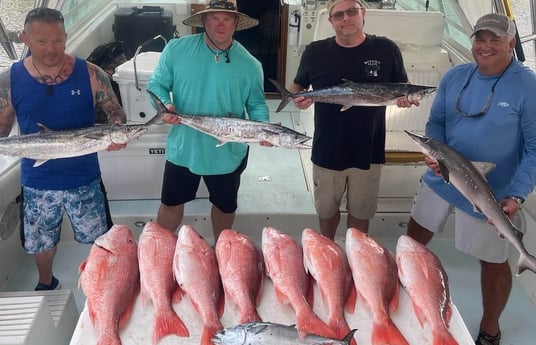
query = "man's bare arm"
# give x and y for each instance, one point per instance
(7, 112)
(105, 96)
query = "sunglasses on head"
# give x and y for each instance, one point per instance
(224, 5)
(351, 12)
(44, 13)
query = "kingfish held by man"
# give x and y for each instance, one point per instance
(266, 333)
(50, 144)
(349, 94)
(231, 129)
(471, 183)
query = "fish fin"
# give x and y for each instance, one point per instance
(345, 107)
(484, 168)
(419, 314)
(208, 332)
(309, 323)
(349, 338)
(123, 319)
(386, 332)
(39, 162)
(310, 296)
(43, 128)
(393, 305)
(444, 171)
(443, 338)
(168, 322)
(285, 95)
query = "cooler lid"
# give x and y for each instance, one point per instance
(145, 64)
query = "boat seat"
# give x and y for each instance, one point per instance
(37, 317)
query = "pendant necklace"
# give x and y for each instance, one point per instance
(49, 89)
(221, 51)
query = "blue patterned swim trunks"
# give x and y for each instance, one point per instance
(43, 212)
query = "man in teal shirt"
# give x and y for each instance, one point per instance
(207, 74)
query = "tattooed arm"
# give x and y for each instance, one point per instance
(7, 112)
(105, 96)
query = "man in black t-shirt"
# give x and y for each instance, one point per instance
(348, 146)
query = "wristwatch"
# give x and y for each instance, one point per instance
(517, 199)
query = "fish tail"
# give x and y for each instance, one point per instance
(168, 322)
(252, 316)
(109, 339)
(526, 262)
(310, 323)
(444, 338)
(285, 95)
(340, 326)
(160, 110)
(208, 332)
(386, 332)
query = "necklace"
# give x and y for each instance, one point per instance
(49, 89)
(221, 51)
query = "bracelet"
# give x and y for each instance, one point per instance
(517, 199)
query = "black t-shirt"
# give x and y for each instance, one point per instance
(354, 138)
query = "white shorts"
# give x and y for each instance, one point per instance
(473, 236)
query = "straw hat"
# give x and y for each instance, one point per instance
(244, 21)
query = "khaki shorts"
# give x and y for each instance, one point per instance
(473, 236)
(361, 188)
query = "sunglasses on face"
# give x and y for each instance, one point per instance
(351, 12)
(44, 13)
(224, 5)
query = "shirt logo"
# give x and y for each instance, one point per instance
(372, 67)
(77, 92)
(503, 104)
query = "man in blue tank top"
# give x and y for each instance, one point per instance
(59, 91)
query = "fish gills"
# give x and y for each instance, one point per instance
(375, 277)
(327, 263)
(196, 271)
(241, 269)
(110, 279)
(283, 258)
(424, 278)
(155, 254)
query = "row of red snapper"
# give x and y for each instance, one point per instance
(168, 266)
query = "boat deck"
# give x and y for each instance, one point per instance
(275, 191)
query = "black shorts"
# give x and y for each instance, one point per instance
(180, 185)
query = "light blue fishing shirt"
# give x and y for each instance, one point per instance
(201, 86)
(504, 135)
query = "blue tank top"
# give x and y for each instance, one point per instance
(69, 107)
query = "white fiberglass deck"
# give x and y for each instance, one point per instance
(274, 192)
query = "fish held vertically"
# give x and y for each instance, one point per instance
(349, 94)
(468, 178)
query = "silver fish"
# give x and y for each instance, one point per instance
(267, 333)
(48, 144)
(232, 129)
(351, 94)
(469, 180)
